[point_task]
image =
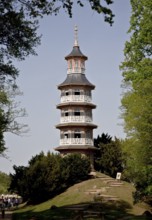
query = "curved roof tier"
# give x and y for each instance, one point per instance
(76, 147)
(76, 52)
(76, 79)
(66, 104)
(76, 124)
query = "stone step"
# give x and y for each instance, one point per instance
(106, 198)
(105, 178)
(115, 185)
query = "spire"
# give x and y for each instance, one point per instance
(76, 52)
(76, 36)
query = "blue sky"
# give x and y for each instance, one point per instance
(40, 75)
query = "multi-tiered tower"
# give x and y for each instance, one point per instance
(76, 126)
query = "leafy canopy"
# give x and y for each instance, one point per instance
(109, 157)
(48, 175)
(137, 97)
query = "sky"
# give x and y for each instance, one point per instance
(40, 75)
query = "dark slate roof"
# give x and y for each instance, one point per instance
(76, 79)
(76, 52)
(85, 104)
(76, 124)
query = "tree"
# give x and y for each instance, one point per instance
(137, 97)
(4, 183)
(48, 175)
(104, 138)
(9, 113)
(3, 121)
(19, 182)
(75, 168)
(44, 178)
(39, 181)
(109, 158)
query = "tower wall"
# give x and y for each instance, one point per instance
(76, 118)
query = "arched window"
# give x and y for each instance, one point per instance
(76, 63)
(70, 64)
(82, 64)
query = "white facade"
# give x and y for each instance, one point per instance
(76, 120)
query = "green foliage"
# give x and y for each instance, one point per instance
(137, 98)
(109, 157)
(104, 138)
(4, 183)
(48, 175)
(18, 183)
(143, 185)
(3, 120)
(75, 168)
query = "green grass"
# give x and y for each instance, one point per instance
(70, 204)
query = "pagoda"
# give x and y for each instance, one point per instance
(76, 121)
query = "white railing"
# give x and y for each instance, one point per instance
(76, 141)
(67, 119)
(76, 98)
(76, 70)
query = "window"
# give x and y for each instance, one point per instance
(88, 134)
(65, 112)
(82, 64)
(77, 92)
(77, 112)
(70, 64)
(66, 135)
(66, 93)
(88, 92)
(76, 63)
(77, 134)
(62, 113)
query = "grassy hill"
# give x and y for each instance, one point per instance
(4, 182)
(98, 198)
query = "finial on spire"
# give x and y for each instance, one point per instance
(76, 36)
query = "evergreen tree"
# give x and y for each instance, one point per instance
(108, 157)
(75, 168)
(48, 175)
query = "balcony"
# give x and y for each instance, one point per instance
(76, 98)
(68, 119)
(76, 141)
(76, 70)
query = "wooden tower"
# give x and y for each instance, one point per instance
(76, 122)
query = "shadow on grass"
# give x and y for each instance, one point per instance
(118, 210)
